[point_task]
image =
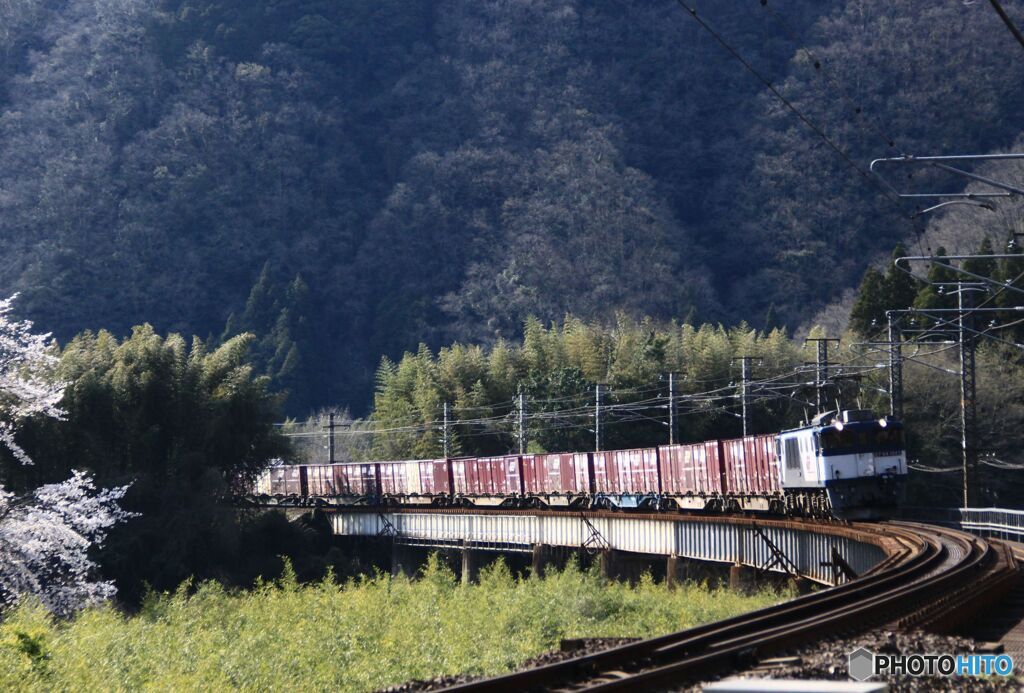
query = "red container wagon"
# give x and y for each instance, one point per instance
(285, 480)
(692, 475)
(320, 480)
(487, 480)
(416, 481)
(557, 479)
(752, 472)
(357, 482)
(626, 478)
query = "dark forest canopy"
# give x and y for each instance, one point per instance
(348, 179)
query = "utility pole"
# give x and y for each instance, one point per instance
(671, 408)
(598, 398)
(895, 367)
(821, 378)
(330, 437)
(521, 428)
(745, 371)
(968, 393)
(446, 439)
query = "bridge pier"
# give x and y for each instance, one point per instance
(608, 564)
(742, 578)
(542, 558)
(403, 561)
(675, 571)
(470, 564)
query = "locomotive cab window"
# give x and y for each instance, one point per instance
(876, 439)
(792, 453)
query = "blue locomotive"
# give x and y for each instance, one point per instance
(849, 462)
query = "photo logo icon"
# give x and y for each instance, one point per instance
(861, 665)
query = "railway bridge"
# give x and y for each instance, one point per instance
(936, 576)
(820, 552)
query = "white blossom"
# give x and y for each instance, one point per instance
(28, 385)
(45, 539)
(45, 536)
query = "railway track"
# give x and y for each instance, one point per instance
(933, 578)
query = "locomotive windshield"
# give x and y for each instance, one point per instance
(861, 439)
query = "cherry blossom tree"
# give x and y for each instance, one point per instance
(46, 535)
(28, 385)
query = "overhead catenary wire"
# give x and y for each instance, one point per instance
(822, 69)
(1007, 21)
(843, 154)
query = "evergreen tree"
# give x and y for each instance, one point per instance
(900, 288)
(1010, 274)
(983, 267)
(278, 316)
(771, 320)
(868, 312)
(937, 292)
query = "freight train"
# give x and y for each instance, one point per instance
(848, 464)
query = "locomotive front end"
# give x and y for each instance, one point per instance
(853, 462)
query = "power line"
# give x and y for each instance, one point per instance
(1007, 21)
(820, 67)
(796, 111)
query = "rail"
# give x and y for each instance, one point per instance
(932, 578)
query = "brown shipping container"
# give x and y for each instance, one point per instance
(487, 476)
(762, 449)
(285, 480)
(686, 469)
(734, 459)
(320, 480)
(750, 464)
(626, 471)
(434, 477)
(356, 479)
(414, 477)
(556, 473)
(394, 478)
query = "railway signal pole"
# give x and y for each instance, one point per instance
(821, 378)
(521, 425)
(598, 401)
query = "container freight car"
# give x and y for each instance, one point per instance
(692, 475)
(360, 481)
(487, 480)
(419, 482)
(626, 478)
(557, 479)
(751, 469)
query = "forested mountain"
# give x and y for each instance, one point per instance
(348, 179)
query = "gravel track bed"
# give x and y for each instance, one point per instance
(569, 649)
(824, 660)
(828, 660)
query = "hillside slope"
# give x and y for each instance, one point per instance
(349, 179)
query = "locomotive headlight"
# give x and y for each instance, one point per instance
(883, 422)
(839, 425)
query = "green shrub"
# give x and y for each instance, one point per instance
(358, 636)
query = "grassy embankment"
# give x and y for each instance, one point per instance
(357, 637)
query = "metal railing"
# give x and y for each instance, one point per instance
(998, 523)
